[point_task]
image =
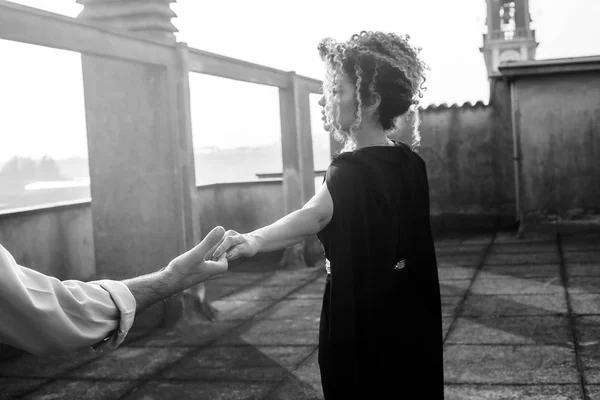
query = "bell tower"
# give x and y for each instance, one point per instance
(509, 36)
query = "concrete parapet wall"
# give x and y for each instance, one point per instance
(468, 152)
(56, 240)
(559, 127)
(242, 206)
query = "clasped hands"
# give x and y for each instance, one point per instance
(211, 256)
(235, 245)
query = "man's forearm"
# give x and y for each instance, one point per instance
(289, 230)
(154, 287)
(184, 271)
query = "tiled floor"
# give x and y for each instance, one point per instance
(521, 321)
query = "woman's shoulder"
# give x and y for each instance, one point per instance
(344, 167)
(343, 160)
(412, 153)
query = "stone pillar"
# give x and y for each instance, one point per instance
(135, 180)
(139, 145)
(148, 18)
(133, 145)
(298, 165)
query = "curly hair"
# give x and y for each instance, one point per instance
(376, 62)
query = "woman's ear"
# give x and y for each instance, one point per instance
(373, 103)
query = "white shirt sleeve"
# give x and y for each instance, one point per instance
(45, 316)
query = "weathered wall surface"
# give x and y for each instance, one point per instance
(243, 206)
(559, 129)
(468, 152)
(56, 241)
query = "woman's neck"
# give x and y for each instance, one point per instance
(369, 136)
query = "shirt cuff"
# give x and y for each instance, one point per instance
(125, 302)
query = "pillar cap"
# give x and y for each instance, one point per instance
(149, 18)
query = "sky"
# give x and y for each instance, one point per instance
(43, 110)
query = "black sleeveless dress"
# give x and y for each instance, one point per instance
(381, 321)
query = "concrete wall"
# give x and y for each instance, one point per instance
(56, 240)
(242, 206)
(559, 129)
(468, 152)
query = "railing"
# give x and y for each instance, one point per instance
(137, 103)
(275, 175)
(517, 34)
(29, 25)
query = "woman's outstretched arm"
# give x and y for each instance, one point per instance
(289, 230)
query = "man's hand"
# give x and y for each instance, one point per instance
(235, 245)
(194, 266)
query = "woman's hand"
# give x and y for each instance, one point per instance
(195, 265)
(236, 245)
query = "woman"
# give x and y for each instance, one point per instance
(380, 330)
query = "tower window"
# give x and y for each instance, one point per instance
(507, 19)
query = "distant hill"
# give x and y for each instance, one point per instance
(217, 165)
(242, 164)
(212, 166)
